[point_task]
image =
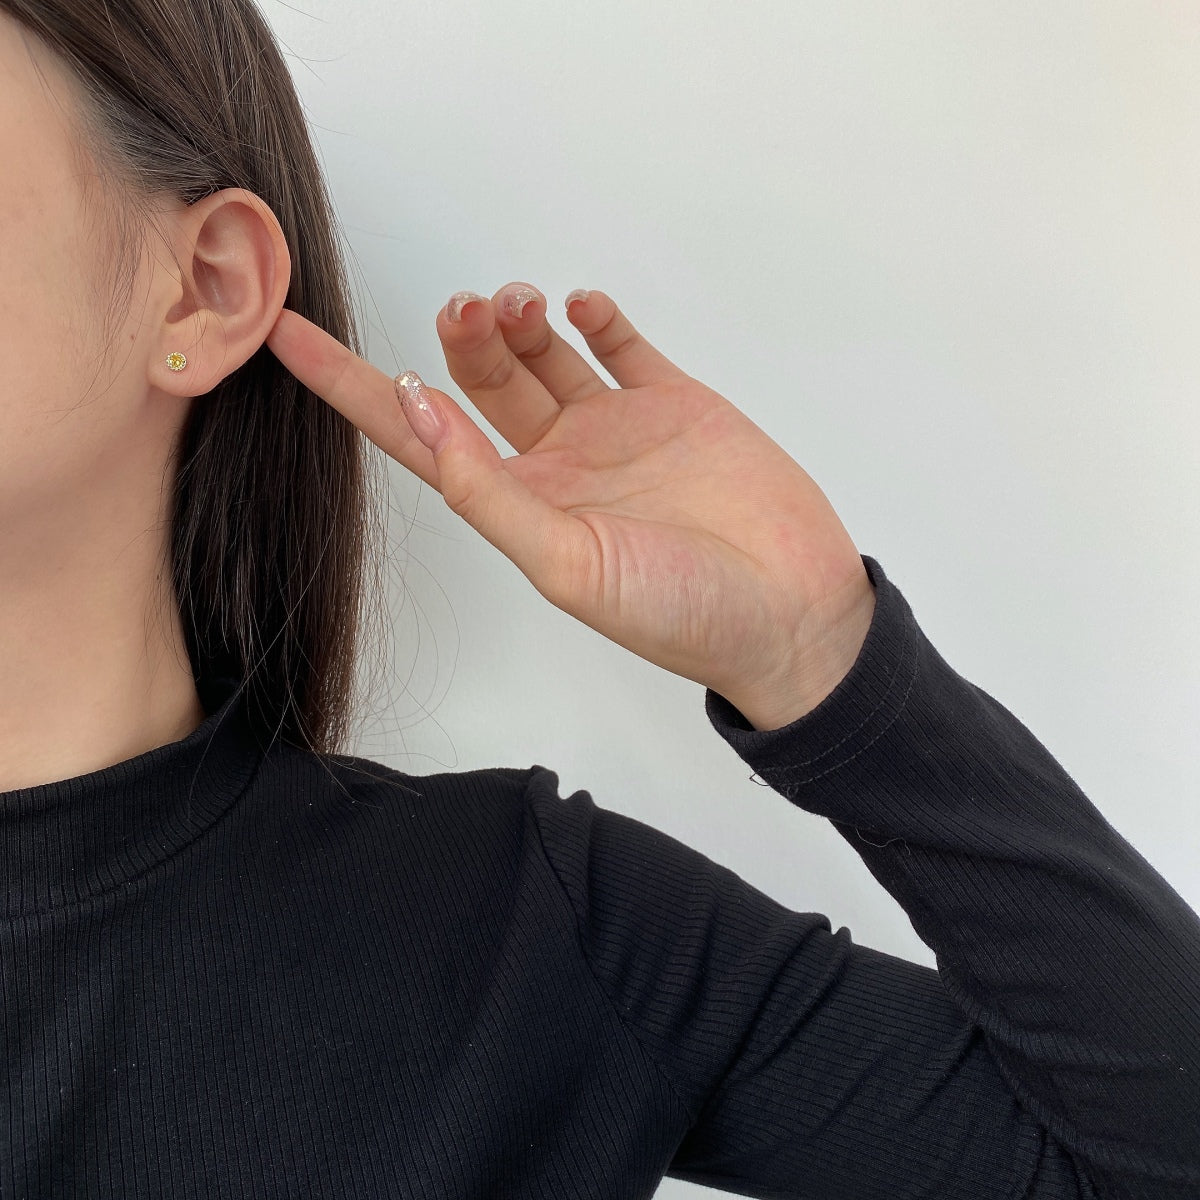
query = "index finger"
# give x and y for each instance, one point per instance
(360, 392)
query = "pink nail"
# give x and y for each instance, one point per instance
(422, 410)
(577, 294)
(514, 302)
(459, 301)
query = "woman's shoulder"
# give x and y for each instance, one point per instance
(386, 820)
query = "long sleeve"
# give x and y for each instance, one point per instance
(1054, 1052)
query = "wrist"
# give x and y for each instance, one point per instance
(808, 684)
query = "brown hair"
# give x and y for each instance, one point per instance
(272, 514)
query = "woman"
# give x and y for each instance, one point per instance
(237, 962)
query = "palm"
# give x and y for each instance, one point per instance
(685, 515)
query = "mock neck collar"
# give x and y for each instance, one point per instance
(63, 842)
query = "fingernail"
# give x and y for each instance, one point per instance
(577, 294)
(514, 302)
(459, 301)
(420, 408)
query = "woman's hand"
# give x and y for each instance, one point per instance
(654, 512)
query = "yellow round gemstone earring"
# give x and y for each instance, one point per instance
(176, 362)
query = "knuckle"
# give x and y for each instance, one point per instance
(460, 497)
(539, 348)
(625, 341)
(474, 376)
(341, 377)
(616, 336)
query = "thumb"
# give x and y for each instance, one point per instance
(547, 546)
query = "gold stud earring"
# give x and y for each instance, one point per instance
(176, 362)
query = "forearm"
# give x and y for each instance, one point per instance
(1076, 958)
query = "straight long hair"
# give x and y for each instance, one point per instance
(273, 519)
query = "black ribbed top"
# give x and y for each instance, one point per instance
(236, 970)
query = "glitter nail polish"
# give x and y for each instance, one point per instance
(420, 409)
(459, 301)
(514, 302)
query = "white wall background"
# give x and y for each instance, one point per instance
(948, 256)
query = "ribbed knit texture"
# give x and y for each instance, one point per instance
(234, 972)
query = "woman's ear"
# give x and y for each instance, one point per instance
(236, 273)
